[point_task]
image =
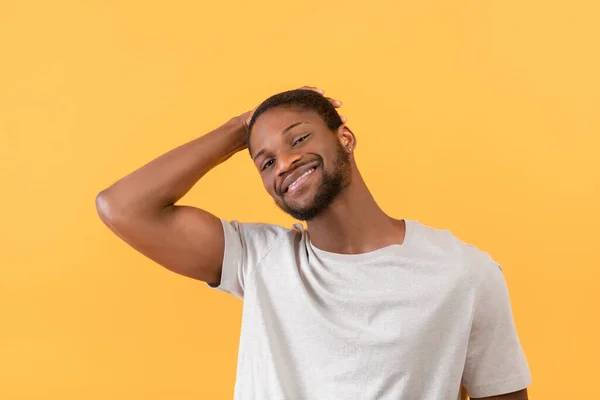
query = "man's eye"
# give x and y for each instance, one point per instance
(301, 139)
(267, 164)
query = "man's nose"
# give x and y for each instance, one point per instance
(287, 161)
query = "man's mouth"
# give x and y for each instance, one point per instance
(298, 182)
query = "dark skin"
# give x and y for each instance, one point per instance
(141, 208)
(353, 223)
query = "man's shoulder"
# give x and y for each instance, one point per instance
(449, 244)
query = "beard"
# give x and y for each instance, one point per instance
(331, 186)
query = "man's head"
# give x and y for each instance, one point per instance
(302, 151)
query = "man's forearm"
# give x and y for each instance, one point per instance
(166, 179)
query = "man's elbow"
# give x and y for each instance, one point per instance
(103, 206)
(108, 210)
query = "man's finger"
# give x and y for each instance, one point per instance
(336, 103)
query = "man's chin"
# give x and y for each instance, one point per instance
(302, 213)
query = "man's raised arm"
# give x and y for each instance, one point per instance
(140, 208)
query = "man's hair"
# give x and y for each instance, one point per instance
(305, 99)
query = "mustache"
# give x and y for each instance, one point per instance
(279, 188)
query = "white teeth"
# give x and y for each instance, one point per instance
(300, 177)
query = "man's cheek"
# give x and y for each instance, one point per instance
(270, 188)
(267, 187)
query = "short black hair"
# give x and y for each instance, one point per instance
(303, 98)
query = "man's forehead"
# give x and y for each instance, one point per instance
(275, 123)
(277, 119)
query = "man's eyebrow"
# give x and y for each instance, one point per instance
(286, 130)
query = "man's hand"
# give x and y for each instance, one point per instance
(247, 116)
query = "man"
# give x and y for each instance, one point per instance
(358, 305)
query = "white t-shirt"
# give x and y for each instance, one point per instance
(411, 321)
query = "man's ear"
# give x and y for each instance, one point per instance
(346, 138)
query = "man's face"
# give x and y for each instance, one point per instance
(302, 163)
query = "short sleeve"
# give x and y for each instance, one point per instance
(246, 244)
(495, 363)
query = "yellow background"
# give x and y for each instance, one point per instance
(481, 117)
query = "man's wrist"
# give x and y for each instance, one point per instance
(237, 127)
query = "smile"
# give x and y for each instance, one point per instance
(298, 182)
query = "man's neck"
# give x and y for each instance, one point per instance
(354, 223)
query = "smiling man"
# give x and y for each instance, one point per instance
(308, 187)
(358, 305)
